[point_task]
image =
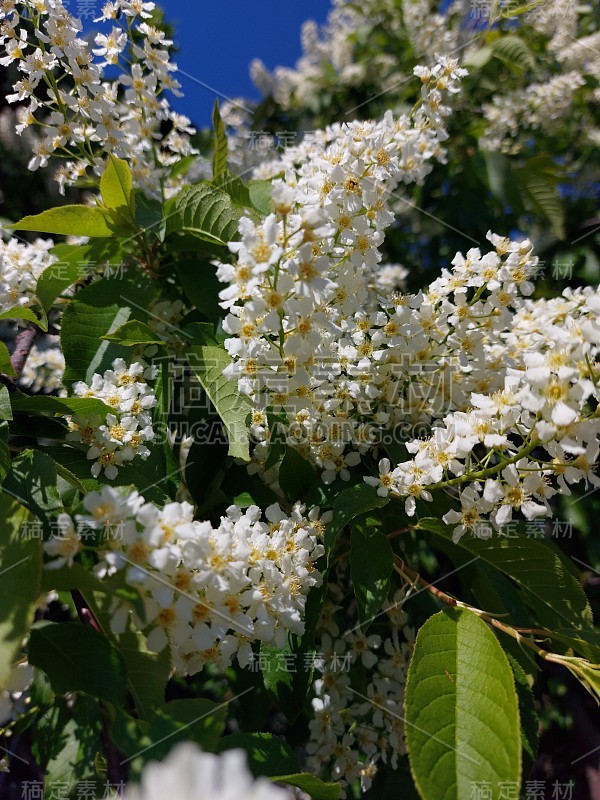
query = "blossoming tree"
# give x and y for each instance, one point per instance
(218, 523)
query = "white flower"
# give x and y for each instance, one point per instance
(189, 774)
(385, 481)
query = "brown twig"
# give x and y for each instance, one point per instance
(23, 345)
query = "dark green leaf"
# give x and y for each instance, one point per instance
(371, 564)
(208, 364)
(78, 658)
(348, 505)
(267, 754)
(296, 475)
(20, 575)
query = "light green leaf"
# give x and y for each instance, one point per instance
(371, 564)
(477, 57)
(20, 575)
(220, 145)
(75, 657)
(260, 194)
(69, 221)
(5, 364)
(461, 708)
(208, 363)
(24, 312)
(5, 407)
(116, 187)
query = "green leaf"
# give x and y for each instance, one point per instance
(585, 642)
(348, 505)
(196, 720)
(235, 188)
(313, 786)
(32, 481)
(546, 581)
(538, 181)
(78, 658)
(260, 194)
(208, 363)
(68, 579)
(204, 212)
(477, 57)
(149, 215)
(23, 312)
(133, 334)
(98, 310)
(116, 187)
(5, 406)
(72, 745)
(267, 754)
(69, 221)
(148, 672)
(512, 50)
(296, 475)
(201, 285)
(4, 451)
(220, 145)
(287, 675)
(65, 406)
(371, 564)
(74, 262)
(20, 575)
(462, 715)
(5, 364)
(528, 718)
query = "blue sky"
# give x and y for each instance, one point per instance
(218, 39)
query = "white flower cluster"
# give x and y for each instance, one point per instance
(121, 435)
(21, 265)
(44, 369)
(538, 106)
(13, 697)
(189, 774)
(298, 295)
(208, 592)
(333, 56)
(511, 449)
(358, 723)
(91, 116)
